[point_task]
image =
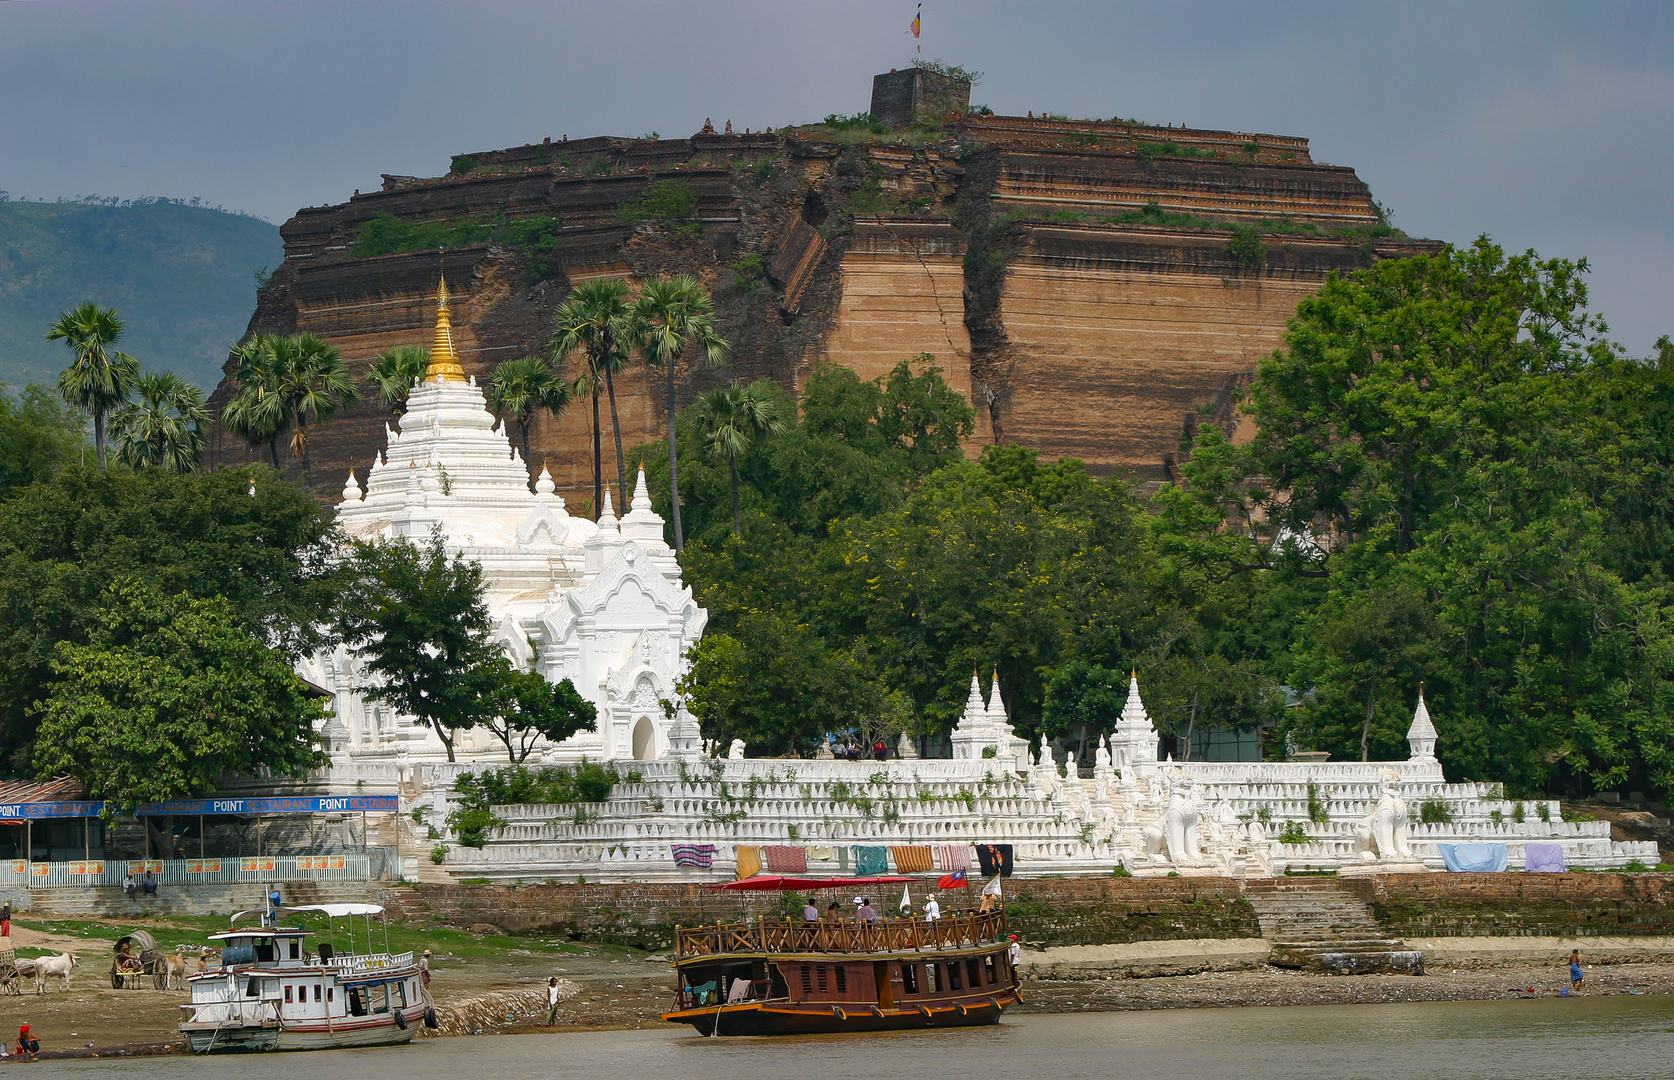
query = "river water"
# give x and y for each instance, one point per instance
(1619, 1038)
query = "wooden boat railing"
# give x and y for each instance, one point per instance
(778, 935)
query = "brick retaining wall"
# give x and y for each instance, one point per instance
(1518, 905)
(1053, 911)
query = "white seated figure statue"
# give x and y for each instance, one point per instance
(1382, 834)
(735, 752)
(1175, 832)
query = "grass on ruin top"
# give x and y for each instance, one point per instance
(177, 931)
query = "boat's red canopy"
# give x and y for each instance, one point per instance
(780, 883)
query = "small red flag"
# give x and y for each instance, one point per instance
(955, 880)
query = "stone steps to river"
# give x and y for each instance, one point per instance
(1316, 925)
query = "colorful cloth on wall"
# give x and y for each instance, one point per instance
(820, 851)
(1474, 858)
(994, 859)
(785, 860)
(870, 861)
(912, 860)
(749, 861)
(843, 857)
(701, 856)
(953, 857)
(1543, 858)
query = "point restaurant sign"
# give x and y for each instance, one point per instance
(318, 804)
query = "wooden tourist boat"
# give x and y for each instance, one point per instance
(775, 976)
(269, 992)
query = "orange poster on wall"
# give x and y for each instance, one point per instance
(40, 869)
(20, 866)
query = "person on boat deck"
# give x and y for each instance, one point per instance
(810, 913)
(866, 912)
(27, 1045)
(834, 911)
(932, 910)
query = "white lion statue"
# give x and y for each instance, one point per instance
(1382, 834)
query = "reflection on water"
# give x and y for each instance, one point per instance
(1557, 1038)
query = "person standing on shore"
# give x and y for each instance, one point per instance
(6, 920)
(552, 1001)
(424, 969)
(1575, 973)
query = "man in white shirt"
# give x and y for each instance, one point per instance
(1015, 952)
(932, 910)
(866, 913)
(810, 913)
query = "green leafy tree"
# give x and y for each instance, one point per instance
(524, 388)
(168, 695)
(100, 378)
(1082, 701)
(65, 542)
(673, 317)
(525, 707)
(394, 371)
(39, 434)
(596, 321)
(418, 619)
(163, 427)
(730, 420)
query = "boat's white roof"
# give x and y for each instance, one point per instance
(337, 911)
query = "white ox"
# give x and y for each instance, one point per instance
(47, 967)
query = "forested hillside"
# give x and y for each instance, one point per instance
(183, 277)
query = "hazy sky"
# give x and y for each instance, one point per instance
(1546, 126)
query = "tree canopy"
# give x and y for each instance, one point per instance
(168, 695)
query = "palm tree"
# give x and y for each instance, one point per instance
(99, 379)
(672, 315)
(313, 383)
(595, 318)
(730, 419)
(284, 384)
(394, 372)
(164, 428)
(256, 410)
(523, 388)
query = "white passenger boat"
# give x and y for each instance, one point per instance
(270, 991)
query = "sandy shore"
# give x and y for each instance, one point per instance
(616, 989)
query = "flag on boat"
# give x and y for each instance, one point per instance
(992, 888)
(955, 880)
(906, 900)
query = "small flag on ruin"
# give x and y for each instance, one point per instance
(918, 16)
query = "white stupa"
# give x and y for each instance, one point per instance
(601, 604)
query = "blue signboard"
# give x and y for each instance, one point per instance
(23, 811)
(317, 804)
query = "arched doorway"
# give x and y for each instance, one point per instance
(645, 737)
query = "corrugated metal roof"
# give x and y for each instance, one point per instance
(61, 789)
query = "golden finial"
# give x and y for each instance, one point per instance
(444, 361)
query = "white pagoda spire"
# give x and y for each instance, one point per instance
(1421, 736)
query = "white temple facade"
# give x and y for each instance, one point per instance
(601, 604)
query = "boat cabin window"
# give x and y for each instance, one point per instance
(973, 968)
(842, 979)
(953, 975)
(295, 948)
(380, 998)
(287, 993)
(357, 1001)
(253, 988)
(909, 978)
(819, 976)
(807, 979)
(932, 978)
(990, 973)
(331, 993)
(400, 992)
(316, 992)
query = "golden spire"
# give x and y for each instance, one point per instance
(444, 361)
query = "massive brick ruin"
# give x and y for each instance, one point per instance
(1077, 278)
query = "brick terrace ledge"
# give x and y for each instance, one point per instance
(827, 936)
